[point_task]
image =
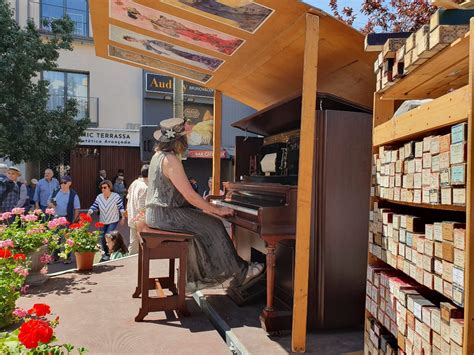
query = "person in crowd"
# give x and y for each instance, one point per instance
(116, 245)
(3, 170)
(65, 202)
(44, 189)
(120, 173)
(98, 181)
(136, 206)
(119, 187)
(209, 190)
(12, 192)
(212, 258)
(110, 206)
(30, 189)
(194, 184)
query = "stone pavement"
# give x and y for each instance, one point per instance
(97, 311)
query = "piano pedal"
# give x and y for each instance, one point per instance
(245, 294)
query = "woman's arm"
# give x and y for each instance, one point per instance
(95, 206)
(173, 170)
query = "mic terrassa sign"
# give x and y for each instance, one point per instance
(111, 137)
(163, 84)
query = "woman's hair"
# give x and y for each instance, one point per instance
(108, 183)
(119, 244)
(177, 146)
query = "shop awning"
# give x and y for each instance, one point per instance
(251, 51)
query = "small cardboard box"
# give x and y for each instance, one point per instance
(448, 251)
(458, 174)
(459, 238)
(459, 133)
(457, 330)
(449, 311)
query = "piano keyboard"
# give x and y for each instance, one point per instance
(253, 212)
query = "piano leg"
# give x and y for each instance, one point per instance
(273, 321)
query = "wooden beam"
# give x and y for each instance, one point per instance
(216, 143)
(306, 176)
(468, 347)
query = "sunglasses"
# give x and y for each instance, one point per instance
(104, 187)
(64, 182)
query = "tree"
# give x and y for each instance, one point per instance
(28, 131)
(388, 15)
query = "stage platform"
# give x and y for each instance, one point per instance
(97, 311)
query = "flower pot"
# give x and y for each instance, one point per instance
(35, 276)
(84, 260)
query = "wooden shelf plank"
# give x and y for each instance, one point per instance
(438, 74)
(426, 205)
(444, 111)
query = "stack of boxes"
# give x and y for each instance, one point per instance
(431, 254)
(430, 171)
(400, 309)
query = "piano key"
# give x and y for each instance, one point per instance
(253, 212)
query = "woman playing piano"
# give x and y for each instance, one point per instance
(212, 258)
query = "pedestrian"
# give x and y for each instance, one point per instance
(12, 192)
(194, 184)
(98, 181)
(31, 188)
(209, 190)
(65, 202)
(136, 206)
(3, 170)
(119, 187)
(44, 189)
(116, 245)
(110, 206)
(120, 172)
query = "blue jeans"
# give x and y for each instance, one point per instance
(103, 231)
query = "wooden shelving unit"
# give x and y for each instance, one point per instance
(448, 79)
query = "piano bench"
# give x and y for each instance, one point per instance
(159, 244)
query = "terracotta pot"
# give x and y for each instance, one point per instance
(84, 260)
(35, 277)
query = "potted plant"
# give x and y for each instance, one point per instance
(33, 235)
(13, 270)
(35, 335)
(82, 242)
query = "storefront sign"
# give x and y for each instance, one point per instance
(162, 84)
(111, 137)
(203, 154)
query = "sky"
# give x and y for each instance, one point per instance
(355, 4)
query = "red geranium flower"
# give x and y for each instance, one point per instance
(99, 225)
(35, 331)
(5, 253)
(76, 226)
(40, 309)
(19, 256)
(84, 217)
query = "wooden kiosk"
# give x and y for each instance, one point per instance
(258, 52)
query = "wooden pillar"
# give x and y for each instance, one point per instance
(469, 262)
(306, 181)
(216, 143)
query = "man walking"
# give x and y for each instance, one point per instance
(12, 193)
(45, 189)
(66, 203)
(98, 181)
(136, 206)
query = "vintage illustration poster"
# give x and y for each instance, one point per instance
(154, 46)
(156, 64)
(133, 13)
(244, 14)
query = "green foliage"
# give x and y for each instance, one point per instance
(27, 130)
(80, 239)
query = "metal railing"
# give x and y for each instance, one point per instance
(87, 107)
(39, 11)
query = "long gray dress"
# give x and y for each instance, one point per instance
(212, 258)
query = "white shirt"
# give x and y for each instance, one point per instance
(136, 199)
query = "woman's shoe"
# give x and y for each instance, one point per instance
(254, 270)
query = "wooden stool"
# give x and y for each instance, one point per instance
(160, 244)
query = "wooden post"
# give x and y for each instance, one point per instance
(306, 181)
(469, 262)
(216, 143)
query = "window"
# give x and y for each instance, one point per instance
(77, 10)
(68, 85)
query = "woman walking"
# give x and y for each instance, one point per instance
(212, 257)
(110, 206)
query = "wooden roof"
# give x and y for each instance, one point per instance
(249, 50)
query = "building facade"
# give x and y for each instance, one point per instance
(116, 100)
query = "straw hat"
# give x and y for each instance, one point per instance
(169, 130)
(14, 168)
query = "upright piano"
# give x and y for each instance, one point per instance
(264, 197)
